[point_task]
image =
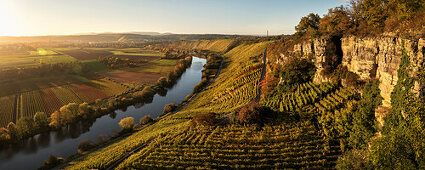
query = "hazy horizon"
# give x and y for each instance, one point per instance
(49, 17)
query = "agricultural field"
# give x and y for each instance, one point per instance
(147, 73)
(7, 108)
(51, 99)
(134, 54)
(25, 85)
(25, 97)
(84, 54)
(295, 144)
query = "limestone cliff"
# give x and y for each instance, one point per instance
(367, 57)
(380, 58)
(377, 57)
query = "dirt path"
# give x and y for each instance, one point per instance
(128, 154)
(263, 74)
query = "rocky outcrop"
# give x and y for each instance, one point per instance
(380, 58)
(367, 57)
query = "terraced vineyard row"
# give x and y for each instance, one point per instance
(279, 146)
(305, 94)
(336, 100)
(238, 83)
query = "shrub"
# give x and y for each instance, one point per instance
(251, 114)
(145, 120)
(51, 162)
(353, 159)
(205, 119)
(198, 88)
(85, 145)
(169, 108)
(126, 123)
(41, 120)
(162, 82)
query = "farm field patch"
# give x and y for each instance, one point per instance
(20, 61)
(85, 54)
(147, 73)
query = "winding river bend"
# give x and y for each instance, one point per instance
(64, 143)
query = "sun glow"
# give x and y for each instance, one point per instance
(8, 24)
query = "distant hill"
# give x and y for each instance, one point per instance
(111, 37)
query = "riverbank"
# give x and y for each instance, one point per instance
(66, 140)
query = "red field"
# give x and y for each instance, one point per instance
(139, 59)
(134, 77)
(88, 93)
(51, 102)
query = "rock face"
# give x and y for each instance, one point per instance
(367, 57)
(380, 58)
(377, 57)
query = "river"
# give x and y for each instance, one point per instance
(64, 143)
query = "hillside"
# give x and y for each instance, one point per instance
(112, 37)
(309, 126)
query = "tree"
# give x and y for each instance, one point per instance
(162, 82)
(297, 71)
(402, 143)
(364, 121)
(374, 12)
(4, 136)
(336, 22)
(55, 119)
(308, 25)
(69, 112)
(126, 124)
(41, 120)
(83, 110)
(25, 127)
(11, 127)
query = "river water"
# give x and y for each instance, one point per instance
(64, 143)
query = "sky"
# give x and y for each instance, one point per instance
(67, 17)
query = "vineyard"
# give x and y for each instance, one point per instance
(241, 58)
(323, 98)
(237, 85)
(288, 145)
(7, 106)
(51, 99)
(31, 103)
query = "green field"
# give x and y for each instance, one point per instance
(13, 61)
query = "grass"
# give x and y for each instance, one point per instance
(42, 52)
(95, 66)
